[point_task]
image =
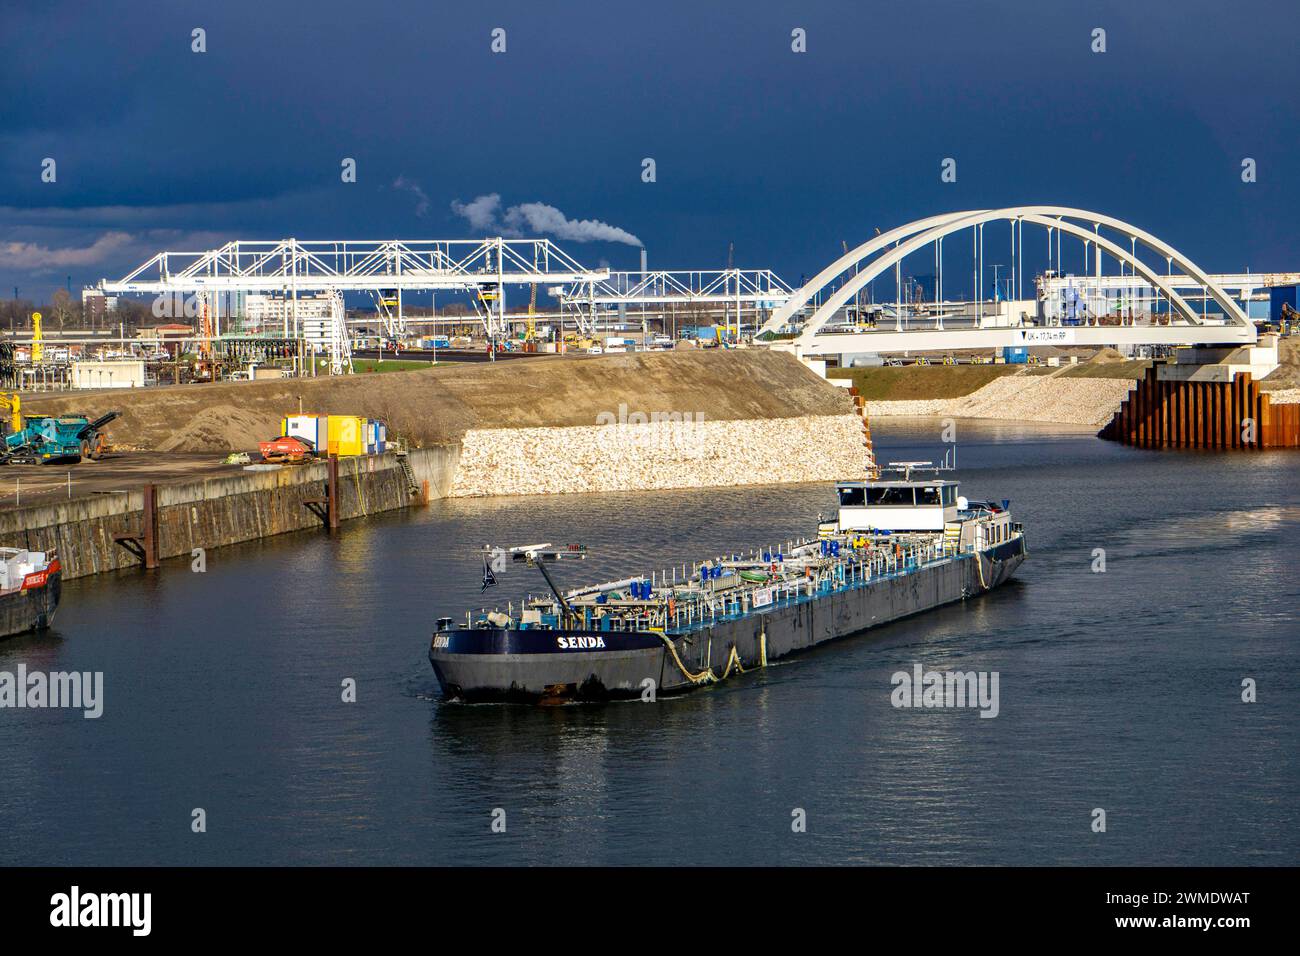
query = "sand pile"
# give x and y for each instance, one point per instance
(221, 427)
(1107, 356)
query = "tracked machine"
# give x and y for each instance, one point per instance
(42, 439)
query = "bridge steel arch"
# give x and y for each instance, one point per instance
(1053, 217)
(805, 293)
(842, 295)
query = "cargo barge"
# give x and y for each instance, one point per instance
(897, 547)
(30, 587)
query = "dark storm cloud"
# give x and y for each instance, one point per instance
(783, 154)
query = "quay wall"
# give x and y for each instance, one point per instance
(219, 511)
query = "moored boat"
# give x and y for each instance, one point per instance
(30, 587)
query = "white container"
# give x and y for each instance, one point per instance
(310, 428)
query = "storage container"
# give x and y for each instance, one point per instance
(310, 428)
(347, 435)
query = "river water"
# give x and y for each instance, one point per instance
(1119, 690)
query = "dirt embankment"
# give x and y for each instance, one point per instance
(1023, 398)
(438, 405)
(912, 383)
(1084, 394)
(1283, 383)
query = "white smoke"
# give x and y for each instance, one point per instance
(481, 212)
(410, 185)
(484, 214)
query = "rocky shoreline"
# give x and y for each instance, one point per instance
(659, 455)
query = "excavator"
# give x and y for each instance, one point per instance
(1290, 318)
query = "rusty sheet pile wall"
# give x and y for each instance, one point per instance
(1195, 414)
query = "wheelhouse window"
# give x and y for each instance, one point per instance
(927, 496)
(890, 496)
(849, 497)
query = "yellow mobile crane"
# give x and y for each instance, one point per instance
(38, 348)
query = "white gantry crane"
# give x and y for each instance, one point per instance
(731, 292)
(293, 268)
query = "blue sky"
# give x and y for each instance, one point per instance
(783, 154)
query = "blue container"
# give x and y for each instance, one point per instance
(1278, 296)
(1015, 355)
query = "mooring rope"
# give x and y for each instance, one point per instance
(707, 676)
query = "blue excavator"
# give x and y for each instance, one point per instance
(41, 439)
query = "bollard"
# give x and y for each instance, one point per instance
(150, 530)
(332, 469)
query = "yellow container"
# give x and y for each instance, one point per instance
(347, 435)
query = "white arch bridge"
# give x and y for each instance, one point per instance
(1156, 306)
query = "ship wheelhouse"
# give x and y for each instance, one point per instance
(897, 506)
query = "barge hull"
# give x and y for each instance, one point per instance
(787, 628)
(31, 609)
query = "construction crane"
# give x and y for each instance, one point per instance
(204, 367)
(532, 309)
(38, 349)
